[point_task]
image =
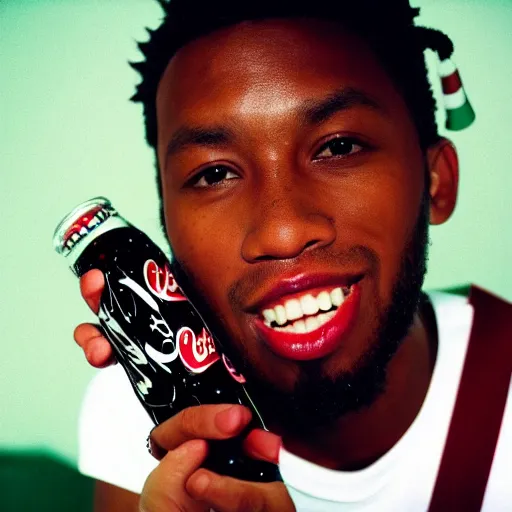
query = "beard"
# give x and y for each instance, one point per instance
(317, 400)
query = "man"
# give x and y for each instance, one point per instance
(299, 166)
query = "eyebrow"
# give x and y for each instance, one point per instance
(311, 112)
(318, 111)
(197, 136)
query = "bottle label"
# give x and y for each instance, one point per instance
(161, 282)
(232, 370)
(196, 352)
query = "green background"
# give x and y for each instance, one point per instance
(68, 133)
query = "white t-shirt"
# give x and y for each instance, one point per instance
(114, 427)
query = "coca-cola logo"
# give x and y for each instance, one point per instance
(161, 282)
(196, 352)
(232, 370)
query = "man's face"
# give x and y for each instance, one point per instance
(290, 168)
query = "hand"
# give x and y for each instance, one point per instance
(97, 349)
(179, 484)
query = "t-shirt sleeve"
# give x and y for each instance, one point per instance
(113, 428)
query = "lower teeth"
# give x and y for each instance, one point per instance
(309, 324)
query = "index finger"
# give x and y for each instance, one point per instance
(263, 445)
(209, 421)
(91, 288)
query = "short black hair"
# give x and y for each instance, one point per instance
(387, 25)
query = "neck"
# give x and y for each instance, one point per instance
(358, 439)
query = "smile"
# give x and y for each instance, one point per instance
(306, 312)
(310, 324)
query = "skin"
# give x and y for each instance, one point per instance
(290, 206)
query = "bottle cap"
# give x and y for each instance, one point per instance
(86, 221)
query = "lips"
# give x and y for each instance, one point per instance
(313, 320)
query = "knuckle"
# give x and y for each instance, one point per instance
(190, 422)
(252, 502)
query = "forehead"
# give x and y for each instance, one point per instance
(265, 68)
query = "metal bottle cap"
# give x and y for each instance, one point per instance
(85, 222)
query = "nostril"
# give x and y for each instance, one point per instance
(311, 243)
(265, 258)
(268, 257)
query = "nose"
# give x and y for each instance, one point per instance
(284, 225)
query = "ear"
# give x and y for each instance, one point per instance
(443, 165)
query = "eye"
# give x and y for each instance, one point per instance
(212, 176)
(338, 147)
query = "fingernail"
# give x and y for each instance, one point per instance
(153, 448)
(269, 452)
(264, 445)
(229, 419)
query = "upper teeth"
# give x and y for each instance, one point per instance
(306, 305)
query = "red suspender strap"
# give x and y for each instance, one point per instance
(479, 408)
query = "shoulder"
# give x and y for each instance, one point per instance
(486, 389)
(113, 428)
(486, 307)
(495, 329)
(498, 494)
(110, 395)
(472, 294)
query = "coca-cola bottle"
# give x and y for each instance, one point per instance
(158, 337)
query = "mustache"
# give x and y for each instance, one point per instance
(355, 257)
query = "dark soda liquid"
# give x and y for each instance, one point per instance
(161, 342)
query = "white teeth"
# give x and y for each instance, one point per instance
(329, 315)
(311, 324)
(309, 305)
(280, 315)
(84, 231)
(269, 315)
(293, 309)
(325, 317)
(299, 326)
(337, 297)
(324, 301)
(306, 306)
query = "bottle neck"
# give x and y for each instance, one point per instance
(113, 222)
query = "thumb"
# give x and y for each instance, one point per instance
(165, 487)
(184, 460)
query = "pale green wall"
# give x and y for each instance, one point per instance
(67, 133)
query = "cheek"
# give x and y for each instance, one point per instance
(207, 243)
(380, 213)
(395, 214)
